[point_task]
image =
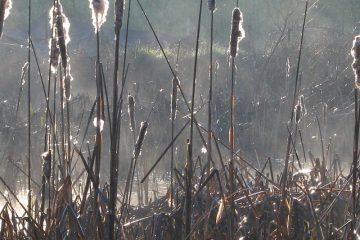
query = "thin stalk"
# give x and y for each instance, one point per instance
(173, 115)
(284, 183)
(355, 161)
(29, 110)
(114, 161)
(209, 147)
(98, 131)
(190, 144)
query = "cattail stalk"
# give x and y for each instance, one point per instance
(29, 110)
(136, 154)
(114, 143)
(188, 203)
(211, 6)
(236, 35)
(174, 91)
(285, 173)
(355, 52)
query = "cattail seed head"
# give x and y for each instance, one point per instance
(237, 32)
(173, 99)
(61, 41)
(62, 25)
(67, 85)
(298, 111)
(211, 5)
(302, 104)
(46, 157)
(140, 139)
(5, 7)
(119, 13)
(54, 54)
(131, 111)
(99, 123)
(355, 52)
(99, 10)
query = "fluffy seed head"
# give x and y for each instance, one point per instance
(99, 10)
(140, 139)
(119, 13)
(298, 111)
(61, 31)
(46, 167)
(131, 112)
(237, 32)
(5, 7)
(302, 104)
(99, 123)
(355, 52)
(54, 54)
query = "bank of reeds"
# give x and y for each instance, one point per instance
(236, 201)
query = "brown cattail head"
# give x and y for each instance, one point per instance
(5, 7)
(355, 52)
(54, 54)
(67, 85)
(99, 10)
(61, 41)
(325, 111)
(140, 139)
(62, 25)
(298, 111)
(119, 13)
(173, 99)
(46, 157)
(237, 32)
(211, 5)
(131, 111)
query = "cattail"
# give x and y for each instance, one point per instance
(61, 39)
(173, 99)
(237, 32)
(54, 54)
(211, 5)
(5, 7)
(355, 52)
(302, 104)
(298, 111)
(67, 85)
(140, 139)
(325, 110)
(99, 123)
(46, 157)
(119, 12)
(99, 11)
(131, 111)
(62, 26)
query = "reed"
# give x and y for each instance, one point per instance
(5, 7)
(355, 52)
